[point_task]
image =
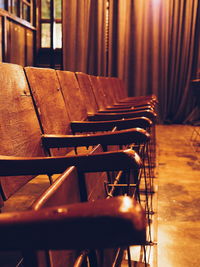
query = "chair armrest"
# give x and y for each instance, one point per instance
(123, 137)
(118, 110)
(131, 104)
(115, 116)
(101, 224)
(151, 98)
(105, 161)
(93, 126)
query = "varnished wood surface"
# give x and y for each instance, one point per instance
(92, 162)
(123, 137)
(124, 115)
(49, 102)
(21, 121)
(98, 92)
(72, 95)
(48, 99)
(75, 226)
(104, 93)
(44, 84)
(92, 126)
(20, 132)
(60, 193)
(87, 93)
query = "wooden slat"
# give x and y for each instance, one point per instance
(49, 102)
(19, 128)
(72, 95)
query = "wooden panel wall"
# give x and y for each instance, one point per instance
(16, 41)
(29, 47)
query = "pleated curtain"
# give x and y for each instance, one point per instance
(84, 31)
(153, 46)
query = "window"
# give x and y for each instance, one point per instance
(2, 4)
(26, 8)
(20, 8)
(51, 24)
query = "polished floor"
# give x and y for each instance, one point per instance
(178, 196)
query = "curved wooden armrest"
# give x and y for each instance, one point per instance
(123, 137)
(115, 116)
(152, 98)
(93, 126)
(129, 108)
(103, 223)
(137, 103)
(122, 110)
(105, 161)
(120, 105)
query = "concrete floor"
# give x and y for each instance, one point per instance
(178, 197)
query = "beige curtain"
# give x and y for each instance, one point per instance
(84, 30)
(152, 47)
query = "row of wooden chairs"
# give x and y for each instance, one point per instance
(44, 114)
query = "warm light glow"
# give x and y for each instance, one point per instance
(156, 2)
(62, 210)
(126, 205)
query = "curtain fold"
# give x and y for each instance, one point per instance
(152, 48)
(84, 31)
(152, 45)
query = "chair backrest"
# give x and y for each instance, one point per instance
(20, 131)
(49, 103)
(87, 92)
(53, 110)
(48, 99)
(72, 95)
(114, 89)
(98, 92)
(108, 89)
(122, 93)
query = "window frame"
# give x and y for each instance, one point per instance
(30, 4)
(52, 21)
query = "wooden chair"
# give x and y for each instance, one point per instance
(103, 91)
(74, 187)
(20, 131)
(57, 196)
(21, 147)
(90, 99)
(88, 225)
(78, 109)
(72, 94)
(107, 86)
(44, 82)
(122, 96)
(112, 89)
